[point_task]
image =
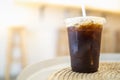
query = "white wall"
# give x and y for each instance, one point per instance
(11, 15)
(41, 37)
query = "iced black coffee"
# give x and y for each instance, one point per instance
(84, 36)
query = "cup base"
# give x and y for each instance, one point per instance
(85, 70)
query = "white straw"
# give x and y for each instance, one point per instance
(83, 10)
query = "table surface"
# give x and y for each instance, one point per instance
(45, 68)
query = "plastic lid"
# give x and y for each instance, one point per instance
(84, 20)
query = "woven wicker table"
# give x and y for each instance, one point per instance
(107, 71)
(43, 70)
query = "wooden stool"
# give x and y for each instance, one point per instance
(117, 41)
(19, 31)
(62, 45)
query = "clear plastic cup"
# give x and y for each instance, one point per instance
(84, 35)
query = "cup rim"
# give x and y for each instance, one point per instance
(81, 20)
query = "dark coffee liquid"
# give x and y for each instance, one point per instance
(84, 44)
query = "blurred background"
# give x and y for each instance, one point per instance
(34, 30)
